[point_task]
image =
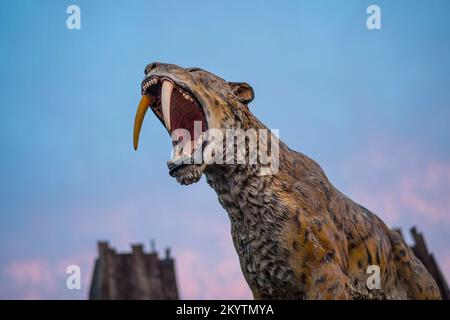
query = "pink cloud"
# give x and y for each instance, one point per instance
(35, 278)
(446, 267)
(32, 272)
(201, 278)
(398, 181)
(31, 296)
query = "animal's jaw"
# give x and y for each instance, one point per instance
(183, 117)
(188, 174)
(193, 105)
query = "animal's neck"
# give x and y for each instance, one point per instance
(257, 220)
(246, 188)
(229, 181)
(245, 192)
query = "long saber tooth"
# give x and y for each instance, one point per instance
(166, 93)
(144, 104)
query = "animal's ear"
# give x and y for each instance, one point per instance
(243, 91)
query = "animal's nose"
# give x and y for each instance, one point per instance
(151, 66)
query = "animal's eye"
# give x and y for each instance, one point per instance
(151, 66)
(193, 69)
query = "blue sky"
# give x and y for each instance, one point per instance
(372, 107)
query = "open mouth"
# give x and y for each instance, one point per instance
(176, 108)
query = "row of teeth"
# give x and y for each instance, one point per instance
(154, 81)
(167, 87)
(148, 84)
(186, 96)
